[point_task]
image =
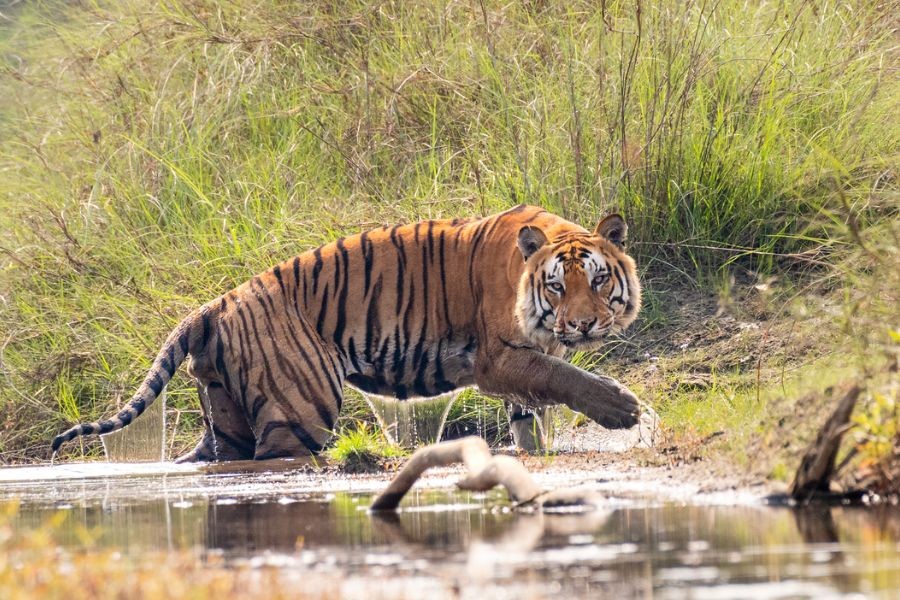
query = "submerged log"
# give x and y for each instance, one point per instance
(817, 467)
(484, 471)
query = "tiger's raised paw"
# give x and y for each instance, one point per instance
(617, 407)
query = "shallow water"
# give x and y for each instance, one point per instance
(314, 527)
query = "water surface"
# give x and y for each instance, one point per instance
(313, 526)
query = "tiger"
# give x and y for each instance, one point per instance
(411, 310)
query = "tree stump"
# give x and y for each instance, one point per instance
(814, 475)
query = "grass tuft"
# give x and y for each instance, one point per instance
(362, 447)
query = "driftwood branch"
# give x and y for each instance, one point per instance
(484, 471)
(817, 467)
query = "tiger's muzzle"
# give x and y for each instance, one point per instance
(582, 333)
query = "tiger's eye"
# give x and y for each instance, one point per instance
(599, 280)
(556, 287)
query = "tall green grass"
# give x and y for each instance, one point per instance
(155, 154)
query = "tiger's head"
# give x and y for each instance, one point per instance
(577, 287)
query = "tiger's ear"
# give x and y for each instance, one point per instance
(613, 228)
(530, 240)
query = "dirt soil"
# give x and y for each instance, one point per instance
(746, 335)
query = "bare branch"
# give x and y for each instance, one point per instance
(484, 472)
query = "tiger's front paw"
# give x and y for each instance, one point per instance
(612, 405)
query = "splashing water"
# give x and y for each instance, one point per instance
(410, 423)
(143, 440)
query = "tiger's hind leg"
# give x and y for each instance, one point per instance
(228, 435)
(295, 420)
(296, 395)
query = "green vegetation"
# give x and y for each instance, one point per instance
(154, 155)
(360, 446)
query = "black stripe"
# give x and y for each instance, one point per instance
(315, 341)
(516, 209)
(328, 369)
(273, 453)
(440, 382)
(477, 237)
(296, 266)
(183, 340)
(292, 332)
(419, 386)
(615, 270)
(401, 267)
(429, 235)
(171, 358)
(473, 249)
(351, 352)
(420, 358)
(219, 361)
(296, 429)
(518, 345)
(337, 263)
(276, 271)
(380, 362)
(156, 383)
(443, 265)
(323, 309)
(257, 406)
(368, 258)
(305, 289)
(373, 323)
(405, 324)
(496, 222)
(398, 352)
(342, 297)
(245, 447)
(207, 328)
(246, 354)
(317, 268)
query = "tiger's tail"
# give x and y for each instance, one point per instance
(189, 337)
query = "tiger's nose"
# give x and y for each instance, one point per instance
(582, 325)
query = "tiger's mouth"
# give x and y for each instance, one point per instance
(582, 340)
